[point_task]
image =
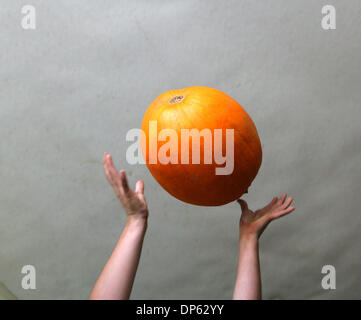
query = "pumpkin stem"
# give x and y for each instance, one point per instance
(176, 99)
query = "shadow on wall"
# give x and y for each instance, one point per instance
(5, 294)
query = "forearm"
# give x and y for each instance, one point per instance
(248, 282)
(117, 277)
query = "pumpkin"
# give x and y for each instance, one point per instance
(212, 113)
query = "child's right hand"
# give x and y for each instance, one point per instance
(133, 202)
(254, 223)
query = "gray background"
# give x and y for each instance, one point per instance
(73, 87)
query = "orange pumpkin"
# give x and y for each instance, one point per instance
(200, 108)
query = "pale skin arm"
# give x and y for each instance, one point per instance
(116, 280)
(252, 224)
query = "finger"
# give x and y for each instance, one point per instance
(104, 159)
(113, 172)
(287, 203)
(243, 204)
(282, 213)
(107, 174)
(124, 181)
(282, 199)
(142, 198)
(139, 187)
(106, 168)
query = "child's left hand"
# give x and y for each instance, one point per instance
(133, 202)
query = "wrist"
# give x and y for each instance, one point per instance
(137, 222)
(246, 236)
(247, 243)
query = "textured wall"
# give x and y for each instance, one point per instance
(73, 87)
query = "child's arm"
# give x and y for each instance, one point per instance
(252, 224)
(117, 277)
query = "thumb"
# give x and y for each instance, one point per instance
(139, 187)
(243, 204)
